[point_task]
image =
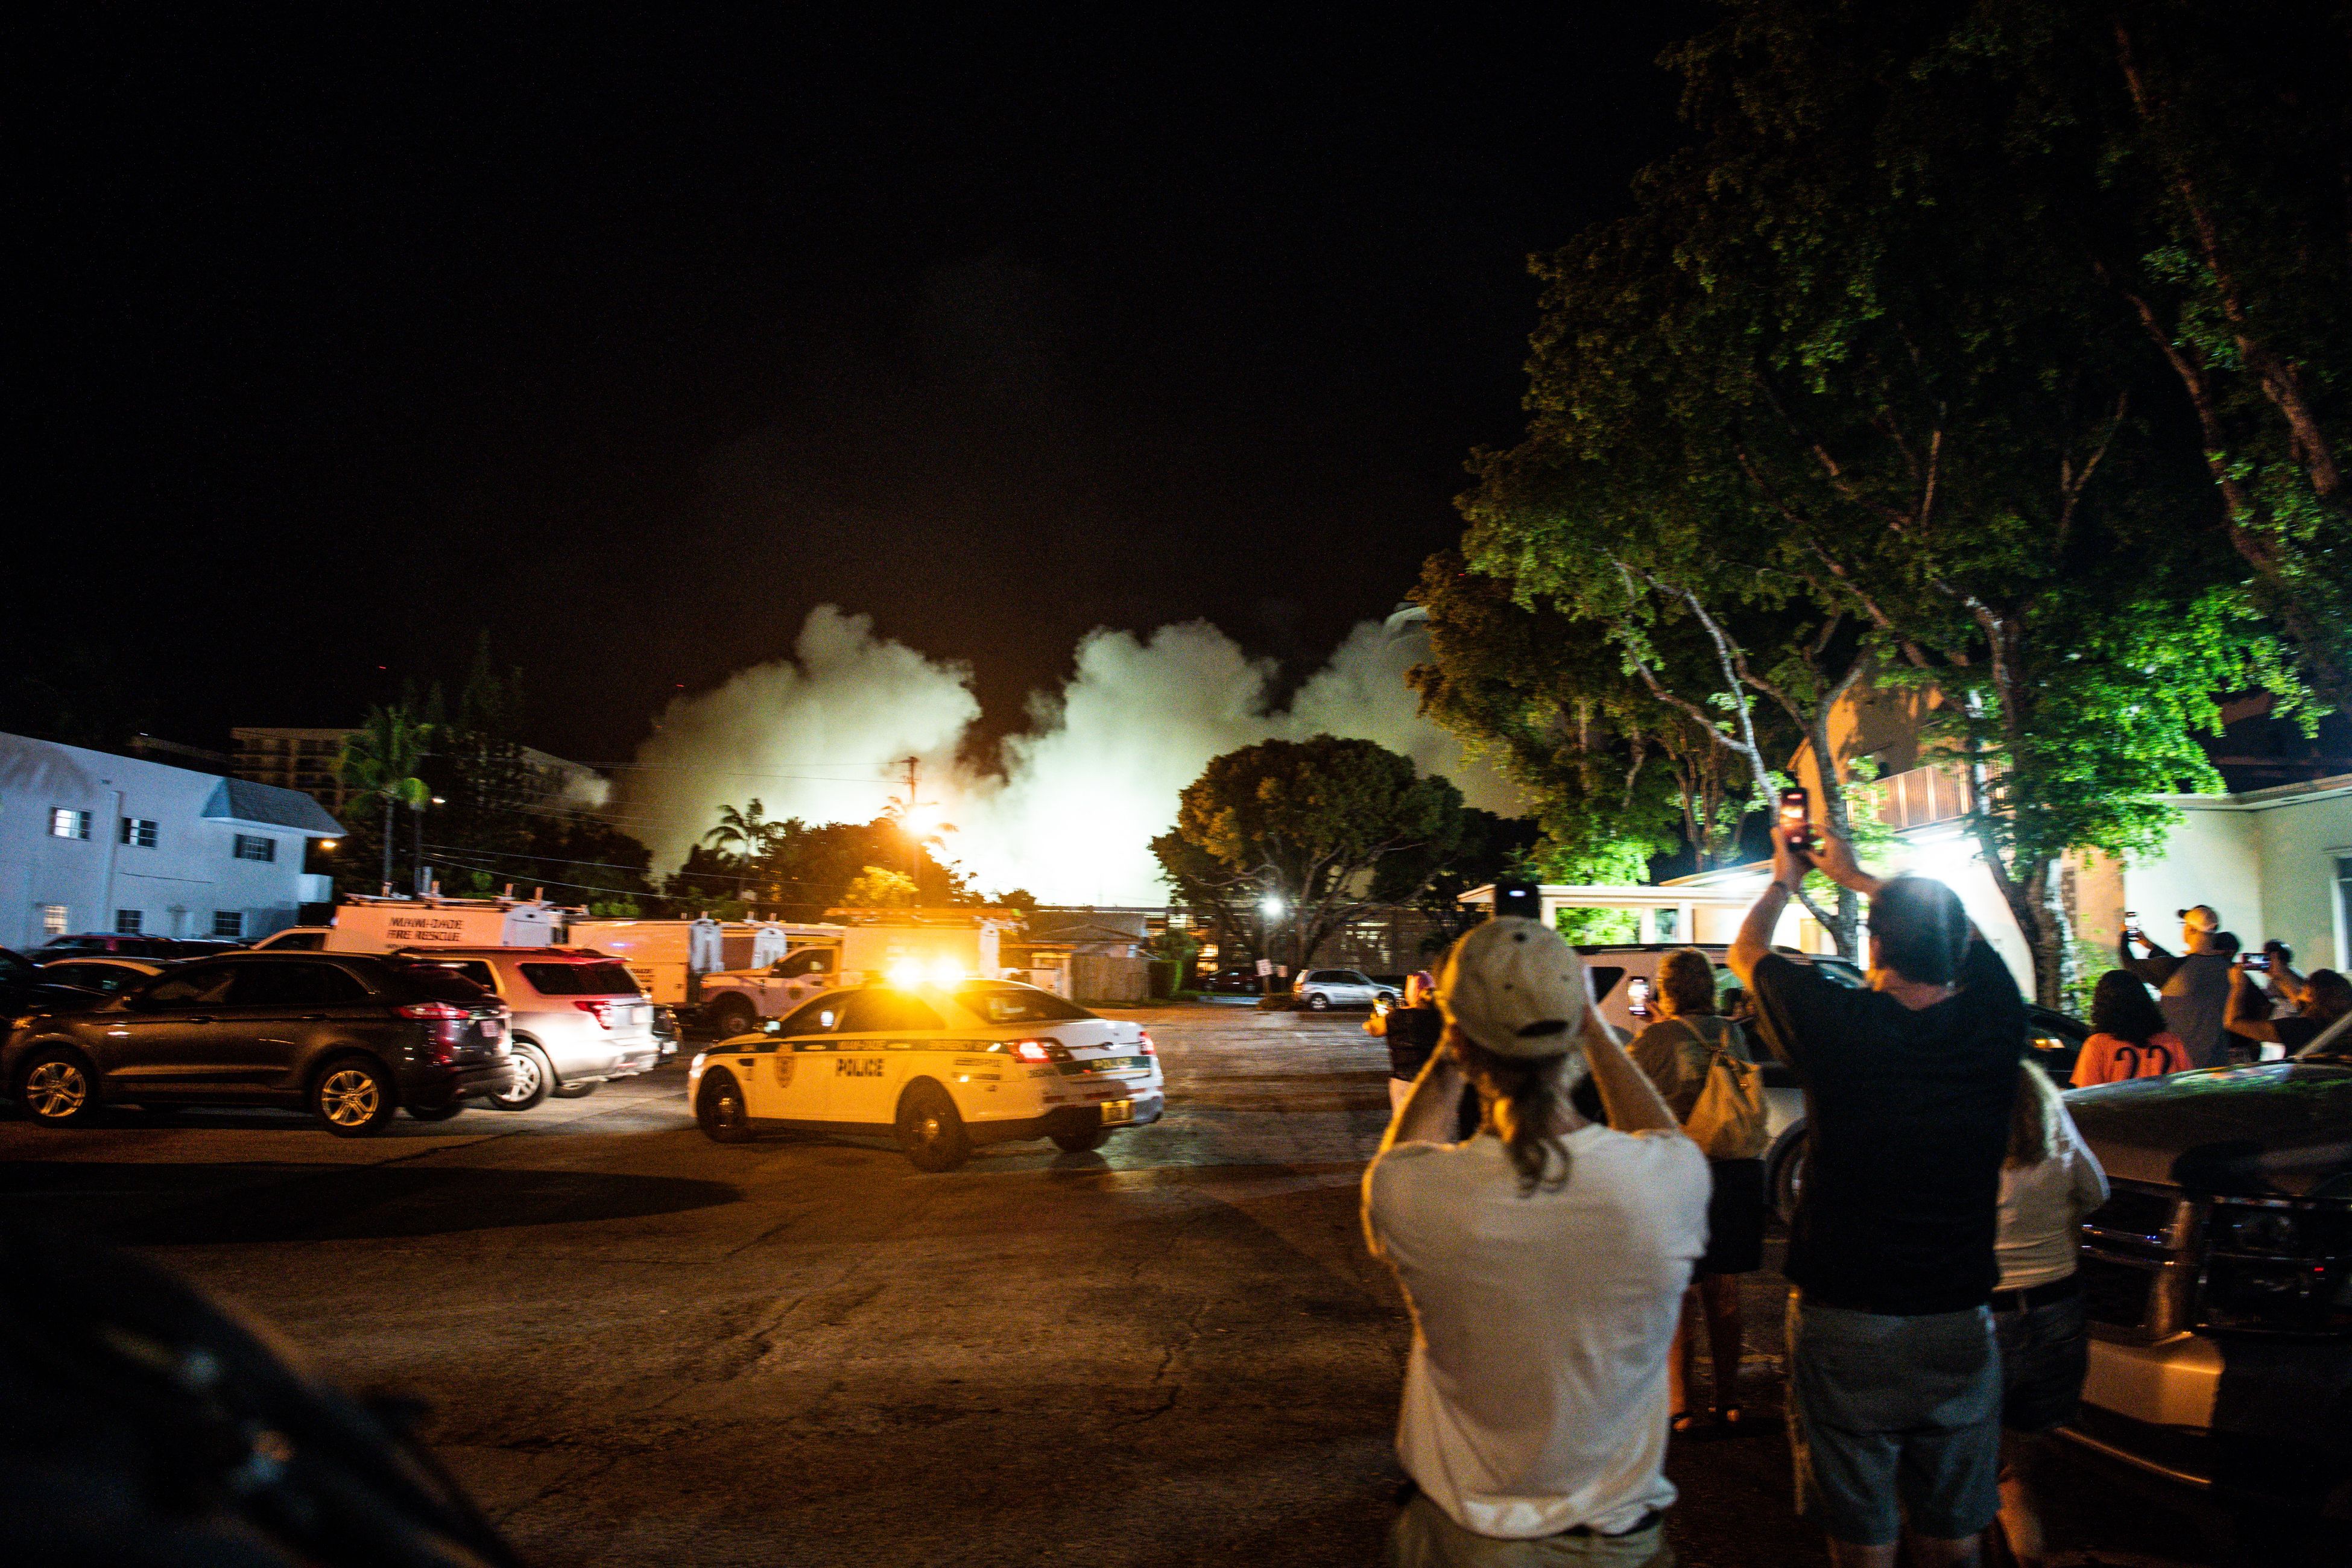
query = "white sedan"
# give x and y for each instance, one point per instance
(943, 1068)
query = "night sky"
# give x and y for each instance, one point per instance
(633, 340)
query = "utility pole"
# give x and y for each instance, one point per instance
(906, 821)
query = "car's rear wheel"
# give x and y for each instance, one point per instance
(57, 1089)
(931, 1130)
(435, 1113)
(722, 1112)
(1082, 1142)
(732, 1015)
(533, 1076)
(353, 1097)
(1317, 1002)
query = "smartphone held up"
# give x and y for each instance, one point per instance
(1797, 812)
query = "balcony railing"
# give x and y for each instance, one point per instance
(1922, 795)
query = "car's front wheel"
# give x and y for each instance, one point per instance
(720, 1110)
(930, 1128)
(732, 1015)
(1082, 1142)
(534, 1075)
(353, 1097)
(57, 1089)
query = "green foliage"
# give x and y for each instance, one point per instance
(1594, 928)
(1863, 390)
(879, 888)
(1310, 823)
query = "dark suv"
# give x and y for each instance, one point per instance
(349, 1035)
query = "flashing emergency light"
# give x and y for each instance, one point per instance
(907, 973)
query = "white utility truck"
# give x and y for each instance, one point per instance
(869, 952)
(365, 924)
(672, 958)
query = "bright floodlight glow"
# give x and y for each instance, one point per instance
(1270, 905)
(946, 971)
(907, 973)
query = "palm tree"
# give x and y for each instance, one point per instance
(381, 760)
(748, 832)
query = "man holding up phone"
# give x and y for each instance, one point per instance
(2193, 988)
(1894, 1378)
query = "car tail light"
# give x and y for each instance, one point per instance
(599, 1009)
(1143, 1038)
(1034, 1051)
(439, 1012)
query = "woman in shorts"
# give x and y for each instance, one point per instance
(1675, 1052)
(2049, 1181)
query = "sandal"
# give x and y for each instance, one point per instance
(1730, 1418)
(1684, 1424)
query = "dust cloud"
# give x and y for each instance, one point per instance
(1080, 792)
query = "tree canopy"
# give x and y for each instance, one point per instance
(1307, 827)
(1859, 392)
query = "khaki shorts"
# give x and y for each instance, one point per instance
(1425, 1536)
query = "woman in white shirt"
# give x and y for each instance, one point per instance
(2049, 1181)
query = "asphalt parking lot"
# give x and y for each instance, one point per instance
(643, 1347)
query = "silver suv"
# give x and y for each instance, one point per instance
(578, 1017)
(1323, 989)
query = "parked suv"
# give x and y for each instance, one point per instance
(1321, 989)
(2218, 1278)
(349, 1035)
(578, 1017)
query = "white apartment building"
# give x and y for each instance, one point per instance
(90, 841)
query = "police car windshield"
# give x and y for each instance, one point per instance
(1018, 1004)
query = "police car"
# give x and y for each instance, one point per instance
(943, 1067)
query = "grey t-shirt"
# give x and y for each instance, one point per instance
(2192, 992)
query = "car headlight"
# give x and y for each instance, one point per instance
(695, 1065)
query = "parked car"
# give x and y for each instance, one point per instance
(1320, 990)
(946, 1069)
(27, 987)
(352, 1036)
(293, 939)
(1239, 981)
(579, 1018)
(2218, 1276)
(116, 944)
(2052, 1041)
(102, 976)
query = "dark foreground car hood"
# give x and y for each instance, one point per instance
(2278, 1129)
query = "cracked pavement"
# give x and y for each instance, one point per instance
(644, 1347)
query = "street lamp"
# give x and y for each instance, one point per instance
(1270, 905)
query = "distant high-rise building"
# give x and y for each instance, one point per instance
(292, 759)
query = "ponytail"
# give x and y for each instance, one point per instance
(1524, 1098)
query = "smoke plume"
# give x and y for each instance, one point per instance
(1082, 791)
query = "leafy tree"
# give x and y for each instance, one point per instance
(380, 762)
(744, 832)
(1485, 848)
(1843, 396)
(1308, 823)
(879, 888)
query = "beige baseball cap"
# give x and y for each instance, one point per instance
(1513, 986)
(2202, 916)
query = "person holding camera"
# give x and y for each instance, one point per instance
(1700, 1064)
(2193, 987)
(1544, 1260)
(1895, 1387)
(1411, 1029)
(2324, 996)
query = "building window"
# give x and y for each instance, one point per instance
(139, 831)
(67, 822)
(253, 847)
(53, 920)
(228, 923)
(127, 922)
